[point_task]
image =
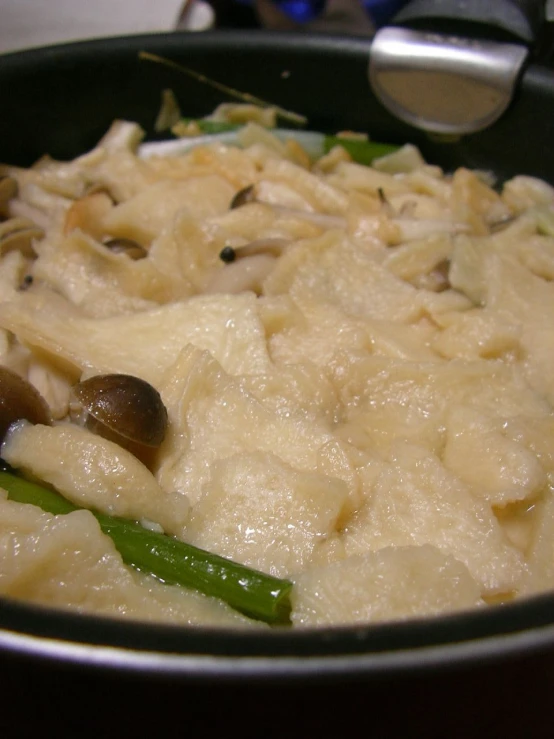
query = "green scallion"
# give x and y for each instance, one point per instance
(255, 594)
(361, 151)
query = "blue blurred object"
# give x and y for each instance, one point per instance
(301, 11)
(304, 11)
(381, 11)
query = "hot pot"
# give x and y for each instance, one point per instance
(61, 100)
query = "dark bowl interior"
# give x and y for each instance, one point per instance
(60, 101)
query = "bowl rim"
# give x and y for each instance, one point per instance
(493, 633)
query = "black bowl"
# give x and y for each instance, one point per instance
(60, 100)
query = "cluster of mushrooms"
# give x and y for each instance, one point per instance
(17, 230)
(121, 408)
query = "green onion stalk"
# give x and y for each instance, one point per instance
(315, 144)
(252, 593)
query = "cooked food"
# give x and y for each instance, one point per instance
(334, 375)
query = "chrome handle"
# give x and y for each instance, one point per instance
(444, 84)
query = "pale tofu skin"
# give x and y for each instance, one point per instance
(392, 583)
(67, 562)
(264, 513)
(370, 416)
(94, 473)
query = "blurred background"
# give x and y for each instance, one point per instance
(30, 23)
(33, 23)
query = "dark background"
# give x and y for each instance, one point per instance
(510, 700)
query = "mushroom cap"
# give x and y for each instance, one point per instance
(19, 399)
(131, 248)
(8, 188)
(244, 196)
(126, 405)
(19, 234)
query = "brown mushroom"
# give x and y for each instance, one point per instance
(8, 190)
(248, 195)
(124, 409)
(131, 248)
(19, 399)
(273, 247)
(247, 266)
(26, 282)
(244, 196)
(19, 234)
(437, 280)
(247, 274)
(501, 224)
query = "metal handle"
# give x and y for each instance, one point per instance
(443, 84)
